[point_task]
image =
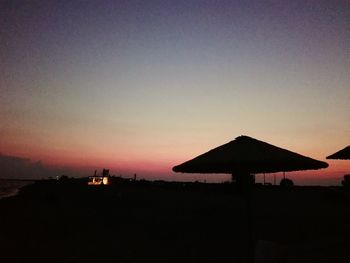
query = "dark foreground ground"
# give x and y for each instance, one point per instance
(172, 222)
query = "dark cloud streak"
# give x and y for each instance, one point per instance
(14, 167)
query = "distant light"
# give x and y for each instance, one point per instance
(98, 180)
(105, 180)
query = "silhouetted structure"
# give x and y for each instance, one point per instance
(105, 172)
(343, 154)
(346, 181)
(242, 158)
(285, 182)
(103, 179)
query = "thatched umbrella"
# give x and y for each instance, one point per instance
(243, 157)
(246, 155)
(343, 154)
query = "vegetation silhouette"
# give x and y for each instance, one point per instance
(287, 183)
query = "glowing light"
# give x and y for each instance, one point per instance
(100, 179)
(105, 180)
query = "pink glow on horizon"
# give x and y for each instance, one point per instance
(159, 167)
(152, 157)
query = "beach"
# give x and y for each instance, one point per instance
(11, 187)
(160, 221)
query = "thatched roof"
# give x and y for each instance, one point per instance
(343, 154)
(245, 154)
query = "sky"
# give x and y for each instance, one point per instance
(141, 86)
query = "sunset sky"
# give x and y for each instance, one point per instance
(141, 86)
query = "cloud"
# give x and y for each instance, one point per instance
(24, 168)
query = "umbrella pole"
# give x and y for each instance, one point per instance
(264, 178)
(245, 182)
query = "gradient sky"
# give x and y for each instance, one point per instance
(140, 86)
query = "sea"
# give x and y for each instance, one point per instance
(10, 187)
